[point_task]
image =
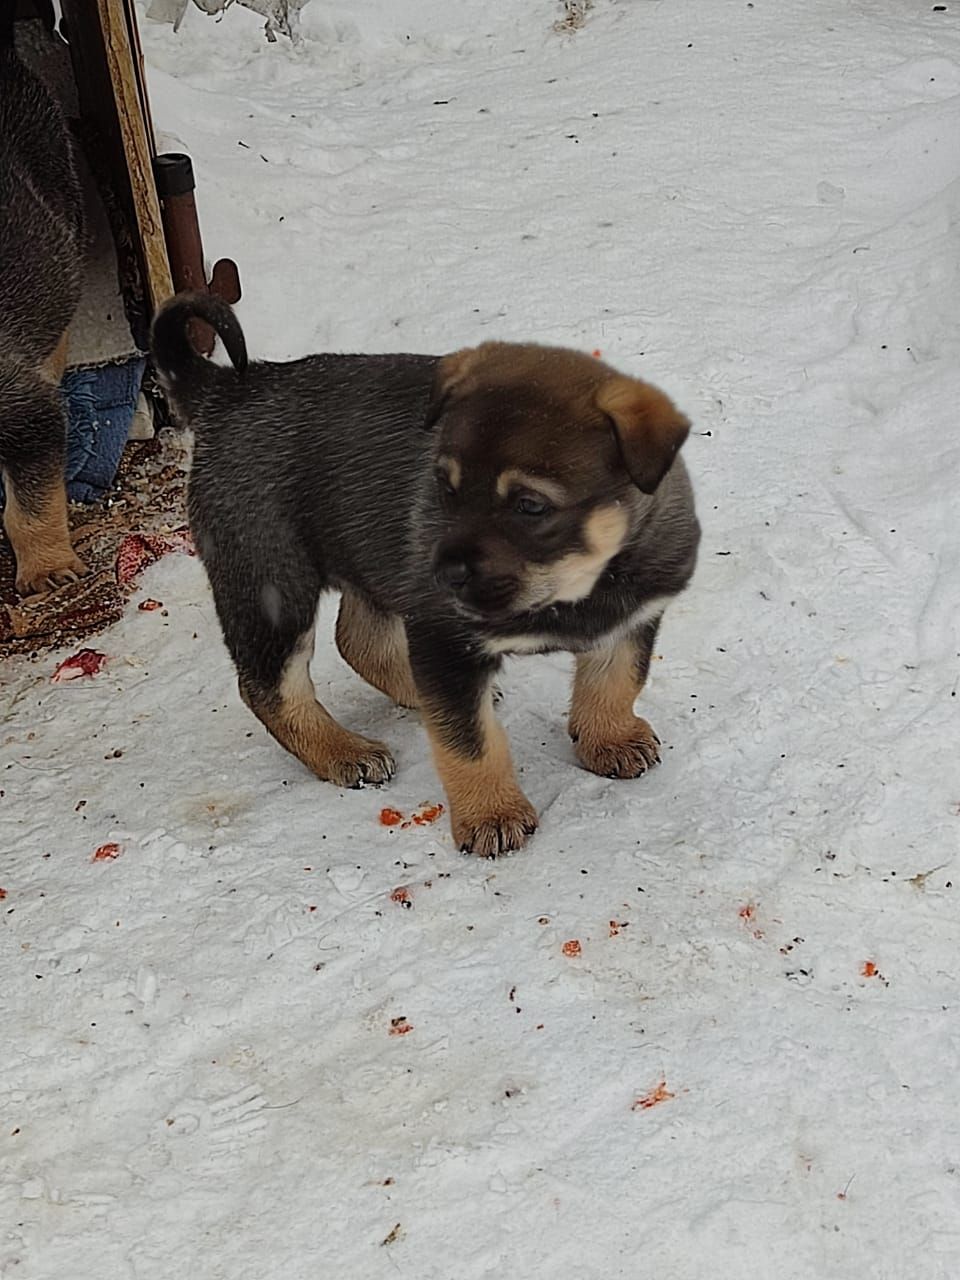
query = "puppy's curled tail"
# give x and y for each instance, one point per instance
(183, 371)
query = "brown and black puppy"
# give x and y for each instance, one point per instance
(40, 279)
(505, 499)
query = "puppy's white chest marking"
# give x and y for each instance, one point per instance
(540, 643)
(648, 611)
(523, 644)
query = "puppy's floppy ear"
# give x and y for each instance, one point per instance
(648, 428)
(451, 373)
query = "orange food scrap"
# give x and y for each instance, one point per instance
(427, 813)
(869, 969)
(596, 353)
(660, 1094)
(390, 817)
(106, 853)
(401, 895)
(572, 948)
(400, 1026)
(616, 926)
(148, 606)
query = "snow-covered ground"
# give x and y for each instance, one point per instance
(232, 1052)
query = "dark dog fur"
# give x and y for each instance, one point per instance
(40, 279)
(503, 499)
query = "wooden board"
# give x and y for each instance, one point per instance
(109, 65)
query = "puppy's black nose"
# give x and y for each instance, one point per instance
(454, 574)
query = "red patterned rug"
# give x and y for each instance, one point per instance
(141, 519)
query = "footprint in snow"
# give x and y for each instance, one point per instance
(279, 926)
(216, 1132)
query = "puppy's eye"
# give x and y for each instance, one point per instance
(528, 505)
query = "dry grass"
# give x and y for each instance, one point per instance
(573, 17)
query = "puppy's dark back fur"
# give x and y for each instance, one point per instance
(265, 431)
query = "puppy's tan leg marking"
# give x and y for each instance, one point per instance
(375, 645)
(36, 521)
(56, 362)
(608, 738)
(300, 723)
(489, 814)
(36, 525)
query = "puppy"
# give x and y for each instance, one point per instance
(503, 499)
(40, 277)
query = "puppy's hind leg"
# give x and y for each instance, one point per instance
(266, 608)
(289, 708)
(33, 434)
(375, 645)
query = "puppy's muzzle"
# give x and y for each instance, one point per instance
(463, 576)
(454, 575)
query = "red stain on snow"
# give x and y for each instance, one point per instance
(400, 1026)
(85, 662)
(572, 948)
(652, 1099)
(747, 914)
(138, 550)
(869, 970)
(401, 896)
(390, 817)
(616, 926)
(106, 853)
(148, 606)
(3, 894)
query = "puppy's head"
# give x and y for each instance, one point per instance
(541, 458)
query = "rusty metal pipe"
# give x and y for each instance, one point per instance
(181, 227)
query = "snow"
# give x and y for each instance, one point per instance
(756, 206)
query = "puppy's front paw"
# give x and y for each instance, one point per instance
(359, 761)
(503, 828)
(627, 754)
